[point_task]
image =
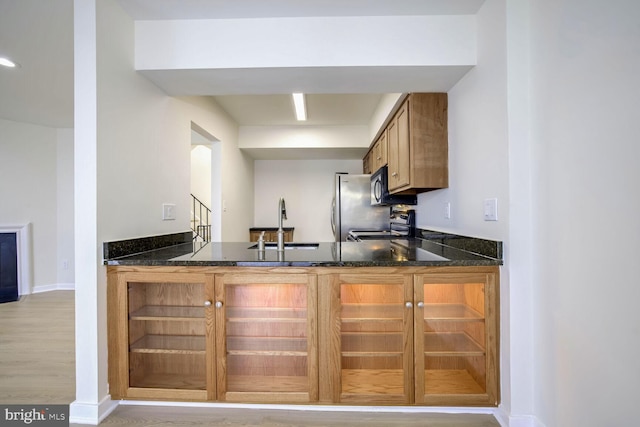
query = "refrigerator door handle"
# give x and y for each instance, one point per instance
(333, 216)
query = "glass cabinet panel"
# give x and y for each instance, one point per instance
(267, 338)
(453, 337)
(373, 341)
(167, 344)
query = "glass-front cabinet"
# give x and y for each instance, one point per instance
(266, 337)
(374, 334)
(368, 336)
(455, 339)
(168, 330)
(424, 338)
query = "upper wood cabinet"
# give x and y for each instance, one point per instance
(377, 156)
(416, 138)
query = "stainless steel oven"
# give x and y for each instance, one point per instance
(402, 224)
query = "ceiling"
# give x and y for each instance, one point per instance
(38, 35)
(40, 91)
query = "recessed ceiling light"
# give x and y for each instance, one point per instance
(298, 102)
(7, 62)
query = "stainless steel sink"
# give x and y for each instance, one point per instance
(272, 246)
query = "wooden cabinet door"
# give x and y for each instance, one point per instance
(266, 337)
(368, 355)
(456, 339)
(399, 149)
(403, 172)
(160, 336)
(378, 153)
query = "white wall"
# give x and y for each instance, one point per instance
(36, 186)
(64, 208)
(307, 187)
(258, 43)
(479, 169)
(201, 173)
(586, 103)
(144, 147)
(384, 107)
(478, 145)
(132, 153)
(252, 137)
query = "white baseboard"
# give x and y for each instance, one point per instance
(318, 408)
(91, 413)
(54, 287)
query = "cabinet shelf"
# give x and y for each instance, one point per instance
(451, 312)
(266, 353)
(451, 344)
(267, 383)
(259, 313)
(265, 320)
(450, 381)
(360, 312)
(172, 381)
(167, 312)
(371, 353)
(170, 344)
(293, 344)
(373, 381)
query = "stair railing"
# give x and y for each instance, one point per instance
(200, 220)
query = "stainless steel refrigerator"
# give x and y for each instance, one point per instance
(351, 208)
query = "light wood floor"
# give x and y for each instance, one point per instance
(37, 352)
(37, 365)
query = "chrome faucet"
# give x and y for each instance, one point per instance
(282, 215)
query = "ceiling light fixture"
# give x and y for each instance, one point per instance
(299, 104)
(7, 62)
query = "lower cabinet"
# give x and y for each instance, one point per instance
(160, 331)
(266, 338)
(400, 336)
(420, 338)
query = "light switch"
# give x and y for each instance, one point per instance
(168, 211)
(490, 209)
(447, 210)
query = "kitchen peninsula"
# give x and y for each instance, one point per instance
(385, 322)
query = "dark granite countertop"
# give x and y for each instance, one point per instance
(431, 249)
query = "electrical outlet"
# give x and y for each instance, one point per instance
(447, 210)
(168, 211)
(491, 209)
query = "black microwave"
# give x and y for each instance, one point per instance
(380, 191)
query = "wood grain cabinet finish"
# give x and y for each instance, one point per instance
(374, 336)
(266, 338)
(204, 336)
(377, 155)
(160, 333)
(424, 339)
(416, 140)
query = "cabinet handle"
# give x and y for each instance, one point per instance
(394, 174)
(207, 303)
(408, 304)
(421, 304)
(218, 304)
